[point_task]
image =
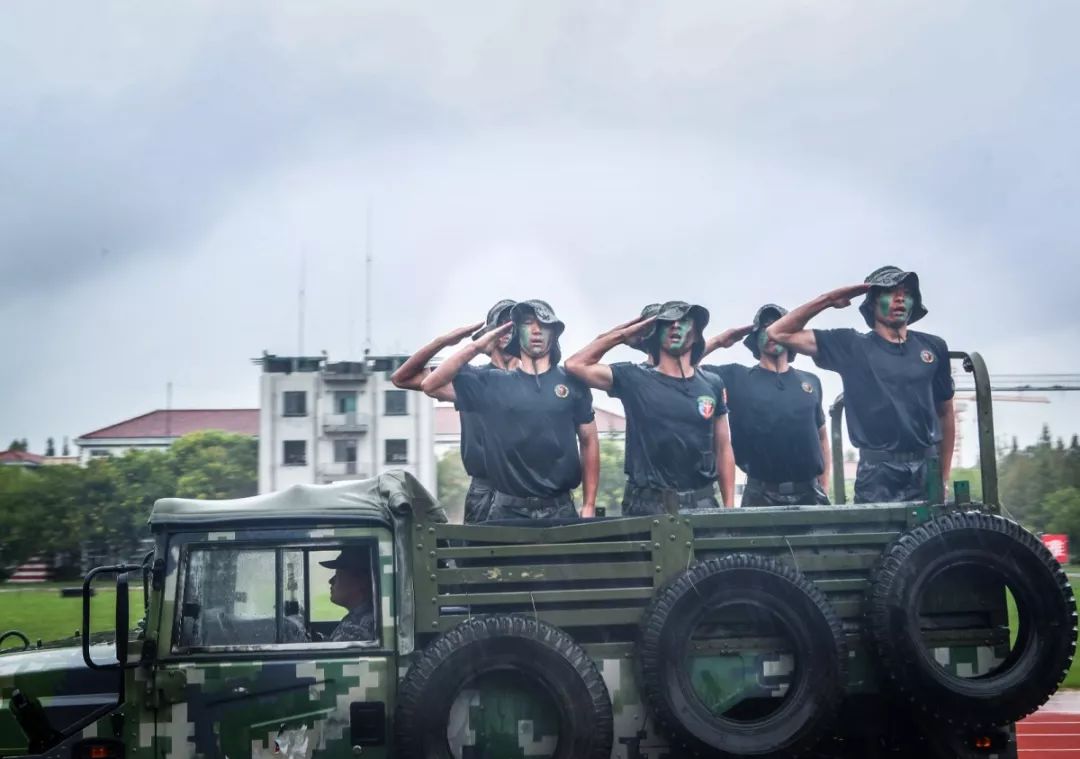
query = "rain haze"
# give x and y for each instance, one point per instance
(168, 173)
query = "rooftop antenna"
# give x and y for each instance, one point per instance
(300, 304)
(367, 281)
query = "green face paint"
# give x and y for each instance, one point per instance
(535, 338)
(894, 307)
(676, 338)
(767, 346)
(505, 339)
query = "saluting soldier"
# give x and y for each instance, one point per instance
(535, 417)
(898, 386)
(777, 420)
(677, 436)
(410, 376)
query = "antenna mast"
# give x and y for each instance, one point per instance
(300, 305)
(367, 282)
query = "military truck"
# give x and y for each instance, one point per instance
(879, 630)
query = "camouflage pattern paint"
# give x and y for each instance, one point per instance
(676, 337)
(526, 330)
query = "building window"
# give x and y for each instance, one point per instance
(295, 453)
(97, 453)
(397, 402)
(345, 451)
(295, 403)
(397, 451)
(344, 401)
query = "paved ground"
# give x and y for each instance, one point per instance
(1054, 731)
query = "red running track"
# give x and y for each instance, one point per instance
(1053, 732)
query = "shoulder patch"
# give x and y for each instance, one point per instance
(706, 405)
(807, 387)
(561, 391)
(927, 357)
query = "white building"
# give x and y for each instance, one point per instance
(157, 430)
(321, 421)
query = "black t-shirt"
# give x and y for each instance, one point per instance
(774, 420)
(472, 433)
(530, 427)
(630, 430)
(670, 442)
(891, 390)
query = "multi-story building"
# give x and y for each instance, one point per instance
(320, 422)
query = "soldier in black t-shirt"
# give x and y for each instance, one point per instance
(777, 421)
(534, 418)
(410, 376)
(898, 386)
(677, 438)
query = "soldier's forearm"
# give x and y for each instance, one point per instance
(795, 320)
(410, 374)
(446, 372)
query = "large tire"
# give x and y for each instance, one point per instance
(813, 630)
(1045, 641)
(542, 655)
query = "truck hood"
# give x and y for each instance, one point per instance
(60, 680)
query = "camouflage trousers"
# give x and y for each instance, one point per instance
(641, 501)
(880, 479)
(761, 493)
(478, 501)
(506, 506)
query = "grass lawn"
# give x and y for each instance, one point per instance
(42, 614)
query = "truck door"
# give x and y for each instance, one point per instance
(256, 664)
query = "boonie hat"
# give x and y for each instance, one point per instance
(886, 278)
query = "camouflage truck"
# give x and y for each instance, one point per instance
(881, 630)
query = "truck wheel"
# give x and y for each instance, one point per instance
(977, 551)
(758, 636)
(532, 658)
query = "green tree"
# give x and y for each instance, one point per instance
(50, 447)
(18, 445)
(215, 465)
(452, 485)
(609, 493)
(1062, 509)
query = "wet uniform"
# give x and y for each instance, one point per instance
(478, 498)
(891, 394)
(670, 440)
(775, 421)
(530, 427)
(358, 624)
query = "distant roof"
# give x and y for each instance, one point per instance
(177, 422)
(447, 421)
(21, 457)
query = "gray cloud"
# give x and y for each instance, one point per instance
(162, 170)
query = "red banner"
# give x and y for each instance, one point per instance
(1059, 546)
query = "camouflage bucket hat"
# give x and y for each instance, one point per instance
(544, 314)
(886, 278)
(765, 316)
(639, 342)
(673, 311)
(494, 316)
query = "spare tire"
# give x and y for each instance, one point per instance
(765, 590)
(983, 546)
(516, 652)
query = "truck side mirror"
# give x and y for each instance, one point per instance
(123, 623)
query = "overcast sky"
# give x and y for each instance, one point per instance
(165, 169)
